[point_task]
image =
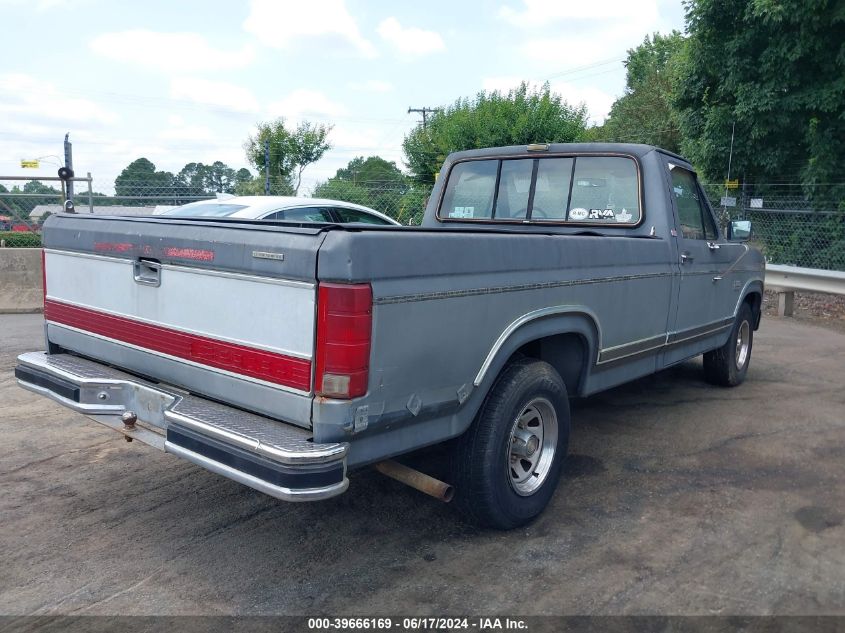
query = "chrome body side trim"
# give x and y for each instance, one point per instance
(626, 351)
(635, 348)
(472, 292)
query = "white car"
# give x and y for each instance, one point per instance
(283, 208)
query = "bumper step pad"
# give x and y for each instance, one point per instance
(276, 458)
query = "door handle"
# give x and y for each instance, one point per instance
(686, 258)
(147, 272)
(713, 246)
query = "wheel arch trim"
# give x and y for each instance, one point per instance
(514, 335)
(752, 286)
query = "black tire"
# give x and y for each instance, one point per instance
(726, 366)
(483, 471)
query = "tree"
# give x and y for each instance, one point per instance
(197, 179)
(776, 70)
(191, 179)
(21, 207)
(521, 116)
(373, 171)
(372, 181)
(290, 152)
(140, 178)
(243, 175)
(645, 114)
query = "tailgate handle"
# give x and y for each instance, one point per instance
(147, 272)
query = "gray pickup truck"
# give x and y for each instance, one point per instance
(284, 355)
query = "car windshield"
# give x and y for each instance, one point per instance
(214, 209)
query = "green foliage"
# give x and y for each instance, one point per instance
(644, 114)
(20, 239)
(653, 57)
(348, 191)
(521, 116)
(290, 152)
(20, 208)
(373, 171)
(199, 179)
(140, 178)
(775, 68)
(372, 182)
(811, 240)
(36, 186)
(412, 205)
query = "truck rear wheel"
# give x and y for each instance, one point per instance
(507, 465)
(728, 365)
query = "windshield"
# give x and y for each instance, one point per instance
(215, 209)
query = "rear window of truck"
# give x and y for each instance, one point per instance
(571, 189)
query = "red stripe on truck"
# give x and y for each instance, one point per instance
(247, 361)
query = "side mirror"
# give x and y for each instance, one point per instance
(739, 230)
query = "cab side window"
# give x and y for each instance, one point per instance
(693, 212)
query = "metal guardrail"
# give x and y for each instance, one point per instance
(787, 279)
(809, 279)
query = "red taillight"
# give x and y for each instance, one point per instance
(44, 277)
(344, 328)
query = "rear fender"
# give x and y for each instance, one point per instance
(537, 325)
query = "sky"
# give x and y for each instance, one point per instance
(186, 81)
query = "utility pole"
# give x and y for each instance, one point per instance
(267, 167)
(730, 161)
(69, 164)
(425, 112)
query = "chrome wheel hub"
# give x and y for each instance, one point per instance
(743, 343)
(531, 446)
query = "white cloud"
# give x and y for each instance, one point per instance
(213, 93)
(184, 132)
(568, 35)
(172, 52)
(305, 103)
(597, 101)
(410, 41)
(285, 23)
(536, 13)
(372, 85)
(26, 99)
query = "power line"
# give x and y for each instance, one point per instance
(425, 111)
(577, 69)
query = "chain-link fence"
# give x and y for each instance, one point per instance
(18, 198)
(791, 224)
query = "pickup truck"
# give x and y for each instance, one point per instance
(285, 355)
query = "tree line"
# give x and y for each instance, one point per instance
(769, 73)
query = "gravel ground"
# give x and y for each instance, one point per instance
(677, 498)
(811, 307)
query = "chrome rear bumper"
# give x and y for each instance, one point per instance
(276, 458)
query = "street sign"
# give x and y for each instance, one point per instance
(29, 164)
(728, 201)
(732, 184)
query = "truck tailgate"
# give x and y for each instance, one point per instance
(215, 308)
